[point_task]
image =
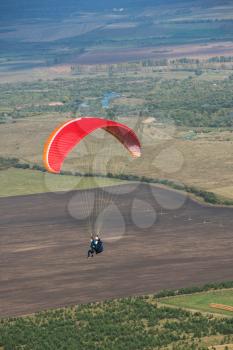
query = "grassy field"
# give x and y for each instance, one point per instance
(15, 182)
(172, 94)
(204, 161)
(201, 301)
(222, 347)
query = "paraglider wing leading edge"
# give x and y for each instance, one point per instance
(64, 138)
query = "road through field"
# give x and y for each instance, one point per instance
(43, 248)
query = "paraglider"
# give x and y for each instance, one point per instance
(64, 138)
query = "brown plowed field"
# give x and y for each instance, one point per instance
(163, 52)
(43, 250)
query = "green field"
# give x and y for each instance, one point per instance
(14, 182)
(201, 301)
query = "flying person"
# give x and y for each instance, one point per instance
(91, 251)
(96, 246)
(99, 245)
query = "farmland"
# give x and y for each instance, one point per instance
(151, 235)
(164, 279)
(43, 266)
(132, 322)
(202, 301)
(182, 117)
(103, 33)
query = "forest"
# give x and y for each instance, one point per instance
(201, 98)
(132, 323)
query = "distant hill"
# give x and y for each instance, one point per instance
(16, 9)
(59, 31)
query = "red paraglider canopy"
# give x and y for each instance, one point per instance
(64, 138)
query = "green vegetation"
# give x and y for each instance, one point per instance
(132, 323)
(8, 162)
(15, 182)
(193, 100)
(201, 301)
(196, 289)
(208, 197)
